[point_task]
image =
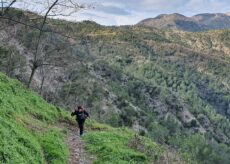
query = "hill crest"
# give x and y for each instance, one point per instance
(199, 22)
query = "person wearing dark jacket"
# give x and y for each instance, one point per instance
(81, 115)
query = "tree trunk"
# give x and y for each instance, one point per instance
(41, 87)
(2, 7)
(31, 76)
(9, 65)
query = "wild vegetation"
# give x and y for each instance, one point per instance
(122, 145)
(31, 132)
(28, 127)
(169, 86)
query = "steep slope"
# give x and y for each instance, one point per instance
(172, 86)
(33, 131)
(122, 145)
(200, 22)
(28, 129)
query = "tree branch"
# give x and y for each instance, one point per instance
(35, 27)
(42, 26)
(19, 22)
(8, 7)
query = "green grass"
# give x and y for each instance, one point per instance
(27, 127)
(121, 146)
(30, 134)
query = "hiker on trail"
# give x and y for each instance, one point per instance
(81, 116)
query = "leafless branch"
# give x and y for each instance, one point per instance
(20, 22)
(9, 6)
(42, 25)
(54, 8)
(36, 27)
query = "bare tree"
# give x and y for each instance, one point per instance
(48, 8)
(11, 62)
(36, 63)
(6, 5)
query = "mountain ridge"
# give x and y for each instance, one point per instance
(199, 22)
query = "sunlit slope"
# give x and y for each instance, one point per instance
(27, 127)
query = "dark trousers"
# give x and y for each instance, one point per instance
(81, 125)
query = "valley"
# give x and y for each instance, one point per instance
(168, 85)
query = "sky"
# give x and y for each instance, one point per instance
(129, 12)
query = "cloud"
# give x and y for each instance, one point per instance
(121, 12)
(132, 11)
(113, 10)
(162, 5)
(207, 6)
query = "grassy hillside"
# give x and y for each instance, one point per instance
(171, 86)
(122, 145)
(30, 133)
(28, 128)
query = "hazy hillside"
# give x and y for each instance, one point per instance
(201, 22)
(171, 86)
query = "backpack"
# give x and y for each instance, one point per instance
(82, 116)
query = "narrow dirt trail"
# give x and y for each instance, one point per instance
(76, 146)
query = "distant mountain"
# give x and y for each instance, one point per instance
(213, 21)
(172, 21)
(200, 22)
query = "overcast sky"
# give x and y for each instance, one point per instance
(123, 12)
